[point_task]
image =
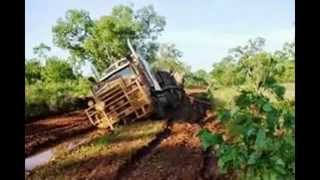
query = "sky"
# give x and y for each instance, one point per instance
(203, 30)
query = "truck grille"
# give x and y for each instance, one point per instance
(122, 98)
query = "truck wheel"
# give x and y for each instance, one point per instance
(159, 111)
(175, 98)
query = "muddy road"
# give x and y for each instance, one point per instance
(152, 149)
(53, 130)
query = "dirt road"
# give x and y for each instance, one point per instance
(54, 130)
(154, 149)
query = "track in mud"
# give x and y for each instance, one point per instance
(175, 153)
(53, 130)
(178, 155)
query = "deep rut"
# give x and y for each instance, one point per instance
(129, 165)
(176, 153)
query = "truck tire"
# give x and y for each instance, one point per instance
(159, 110)
(175, 97)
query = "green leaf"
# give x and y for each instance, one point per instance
(280, 170)
(279, 90)
(280, 162)
(254, 157)
(265, 176)
(267, 107)
(250, 132)
(226, 157)
(261, 139)
(208, 139)
(224, 115)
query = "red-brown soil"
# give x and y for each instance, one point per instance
(52, 130)
(175, 153)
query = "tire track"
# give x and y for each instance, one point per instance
(52, 131)
(129, 165)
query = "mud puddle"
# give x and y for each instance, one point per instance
(45, 156)
(38, 159)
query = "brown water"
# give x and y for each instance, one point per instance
(45, 156)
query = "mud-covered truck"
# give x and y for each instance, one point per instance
(128, 90)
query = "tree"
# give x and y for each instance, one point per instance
(103, 41)
(41, 51)
(252, 47)
(168, 59)
(57, 70)
(287, 52)
(226, 72)
(286, 58)
(32, 71)
(71, 32)
(197, 79)
(168, 50)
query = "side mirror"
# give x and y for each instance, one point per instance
(92, 79)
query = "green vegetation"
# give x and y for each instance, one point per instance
(168, 59)
(102, 41)
(258, 114)
(53, 87)
(198, 79)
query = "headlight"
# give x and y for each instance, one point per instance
(90, 103)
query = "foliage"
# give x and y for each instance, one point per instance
(102, 41)
(44, 98)
(169, 51)
(41, 50)
(252, 47)
(57, 70)
(32, 71)
(197, 79)
(260, 123)
(287, 52)
(226, 73)
(71, 32)
(52, 87)
(168, 59)
(287, 58)
(173, 65)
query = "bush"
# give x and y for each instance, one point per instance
(196, 80)
(53, 87)
(32, 71)
(259, 139)
(44, 98)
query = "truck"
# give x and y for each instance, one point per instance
(129, 90)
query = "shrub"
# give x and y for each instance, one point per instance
(260, 125)
(44, 98)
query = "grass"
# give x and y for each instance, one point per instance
(224, 96)
(119, 146)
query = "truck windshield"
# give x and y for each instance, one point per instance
(125, 72)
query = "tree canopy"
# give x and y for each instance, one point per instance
(104, 40)
(57, 70)
(167, 58)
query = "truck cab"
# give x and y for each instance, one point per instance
(128, 90)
